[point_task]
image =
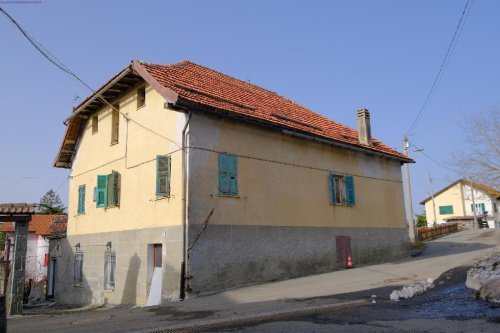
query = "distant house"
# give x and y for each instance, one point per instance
(455, 203)
(37, 257)
(187, 181)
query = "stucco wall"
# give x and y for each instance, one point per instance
(281, 224)
(132, 265)
(134, 157)
(452, 196)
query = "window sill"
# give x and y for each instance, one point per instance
(77, 285)
(236, 196)
(141, 107)
(80, 214)
(114, 143)
(111, 291)
(162, 197)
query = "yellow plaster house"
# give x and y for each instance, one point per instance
(456, 202)
(186, 181)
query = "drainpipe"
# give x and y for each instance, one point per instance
(185, 262)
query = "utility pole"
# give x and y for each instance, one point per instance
(473, 204)
(409, 217)
(432, 197)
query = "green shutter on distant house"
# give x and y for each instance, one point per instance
(228, 174)
(81, 199)
(102, 191)
(331, 181)
(446, 210)
(350, 199)
(162, 175)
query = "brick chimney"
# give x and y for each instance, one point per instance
(364, 128)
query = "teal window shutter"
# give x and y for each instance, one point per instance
(233, 174)
(102, 191)
(228, 174)
(446, 210)
(331, 181)
(81, 199)
(483, 209)
(350, 199)
(162, 175)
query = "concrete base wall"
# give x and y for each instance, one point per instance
(133, 266)
(228, 256)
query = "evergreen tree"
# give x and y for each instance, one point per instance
(50, 203)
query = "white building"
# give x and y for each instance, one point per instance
(37, 256)
(457, 200)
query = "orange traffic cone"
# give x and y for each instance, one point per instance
(349, 261)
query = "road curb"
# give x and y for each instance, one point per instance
(255, 318)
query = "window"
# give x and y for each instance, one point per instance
(497, 224)
(228, 174)
(114, 189)
(81, 199)
(108, 190)
(162, 176)
(480, 208)
(495, 208)
(95, 124)
(141, 97)
(446, 210)
(342, 190)
(115, 124)
(77, 274)
(46, 260)
(109, 270)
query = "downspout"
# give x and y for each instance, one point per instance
(185, 261)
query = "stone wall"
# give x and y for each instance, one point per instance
(228, 256)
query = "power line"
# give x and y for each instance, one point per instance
(421, 150)
(444, 64)
(56, 62)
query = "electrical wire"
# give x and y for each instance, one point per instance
(56, 62)
(444, 64)
(421, 150)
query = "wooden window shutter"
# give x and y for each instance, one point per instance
(349, 190)
(114, 189)
(102, 191)
(81, 199)
(223, 175)
(232, 163)
(162, 175)
(331, 181)
(228, 174)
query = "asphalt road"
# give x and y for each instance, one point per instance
(449, 307)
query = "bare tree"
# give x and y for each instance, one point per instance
(480, 158)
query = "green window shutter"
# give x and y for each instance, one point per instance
(223, 174)
(350, 199)
(232, 163)
(81, 199)
(162, 175)
(446, 210)
(114, 189)
(331, 181)
(482, 207)
(102, 191)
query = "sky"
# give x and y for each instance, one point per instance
(332, 57)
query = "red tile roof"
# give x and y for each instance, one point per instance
(39, 224)
(209, 89)
(205, 86)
